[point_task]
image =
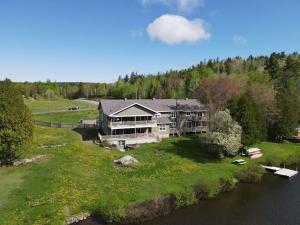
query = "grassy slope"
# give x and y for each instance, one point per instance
(82, 177)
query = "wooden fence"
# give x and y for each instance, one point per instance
(64, 125)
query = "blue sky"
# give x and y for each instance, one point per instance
(98, 40)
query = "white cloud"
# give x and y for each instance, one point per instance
(173, 29)
(180, 5)
(237, 39)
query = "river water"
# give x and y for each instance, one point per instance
(274, 201)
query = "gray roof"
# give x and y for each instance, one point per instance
(111, 106)
(163, 120)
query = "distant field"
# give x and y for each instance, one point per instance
(68, 117)
(40, 106)
(57, 110)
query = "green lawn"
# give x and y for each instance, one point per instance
(68, 117)
(42, 105)
(82, 177)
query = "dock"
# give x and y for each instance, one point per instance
(281, 171)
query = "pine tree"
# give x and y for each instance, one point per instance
(16, 127)
(244, 110)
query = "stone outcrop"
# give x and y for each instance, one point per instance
(28, 160)
(126, 160)
(77, 218)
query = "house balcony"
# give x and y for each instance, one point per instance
(198, 118)
(132, 124)
(198, 129)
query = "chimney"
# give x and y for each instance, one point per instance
(125, 99)
(153, 99)
(186, 98)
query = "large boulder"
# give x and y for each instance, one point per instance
(126, 160)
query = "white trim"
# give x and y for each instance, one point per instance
(131, 106)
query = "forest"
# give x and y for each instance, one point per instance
(261, 92)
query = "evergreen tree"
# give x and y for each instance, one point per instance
(16, 127)
(289, 112)
(244, 110)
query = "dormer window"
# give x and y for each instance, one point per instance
(173, 115)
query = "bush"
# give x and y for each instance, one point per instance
(252, 173)
(16, 126)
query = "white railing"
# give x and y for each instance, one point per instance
(132, 123)
(124, 136)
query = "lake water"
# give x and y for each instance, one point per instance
(274, 201)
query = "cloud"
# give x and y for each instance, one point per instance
(237, 39)
(180, 5)
(174, 29)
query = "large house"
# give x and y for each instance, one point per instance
(125, 122)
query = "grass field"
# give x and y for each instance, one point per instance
(82, 177)
(68, 117)
(40, 106)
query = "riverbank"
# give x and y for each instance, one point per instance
(81, 177)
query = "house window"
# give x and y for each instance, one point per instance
(173, 124)
(188, 113)
(173, 115)
(162, 127)
(200, 114)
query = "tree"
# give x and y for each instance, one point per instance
(216, 92)
(16, 126)
(244, 110)
(224, 137)
(49, 94)
(226, 132)
(289, 112)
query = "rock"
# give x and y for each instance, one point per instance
(126, 160)
(28, 160)
(77, 218)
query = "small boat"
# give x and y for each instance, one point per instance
(254, 153)
(256, 156)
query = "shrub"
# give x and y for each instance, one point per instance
(252, 173)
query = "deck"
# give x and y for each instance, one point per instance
(281, 171)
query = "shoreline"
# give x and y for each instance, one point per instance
(164, 205)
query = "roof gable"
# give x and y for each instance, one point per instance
(135, 109)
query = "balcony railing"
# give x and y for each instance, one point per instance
(124, 136)
(132, 123)
(198, 118)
